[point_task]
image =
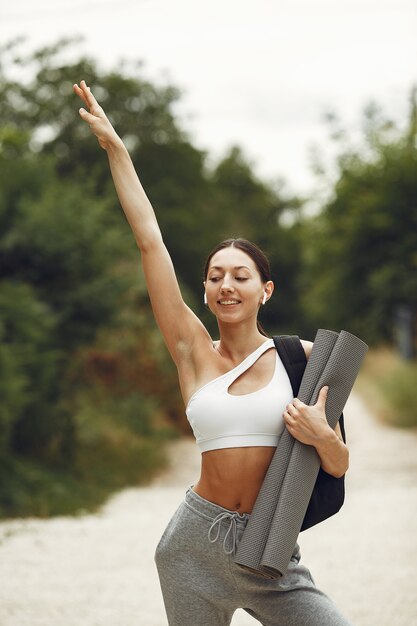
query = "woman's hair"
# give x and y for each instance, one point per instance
(254, 252)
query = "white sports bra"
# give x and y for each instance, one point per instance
(222, 420)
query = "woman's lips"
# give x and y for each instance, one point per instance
(228, 302)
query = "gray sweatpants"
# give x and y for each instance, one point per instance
(203, 586)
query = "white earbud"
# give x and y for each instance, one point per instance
(205, 298)
(264, 298)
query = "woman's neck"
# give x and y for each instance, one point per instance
(237, 341)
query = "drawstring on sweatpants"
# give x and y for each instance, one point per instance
(225, 515)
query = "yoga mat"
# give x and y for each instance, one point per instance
(254, 538)
(271, 533)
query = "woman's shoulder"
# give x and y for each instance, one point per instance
(308, 346)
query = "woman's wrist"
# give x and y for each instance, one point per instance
(327, 441)
(115, 144)
(333, 453)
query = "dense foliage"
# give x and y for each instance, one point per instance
(84, 373)
(362, 261)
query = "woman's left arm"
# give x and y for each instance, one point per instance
(309, 425)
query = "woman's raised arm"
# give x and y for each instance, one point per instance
(135, 203)
(179, 325)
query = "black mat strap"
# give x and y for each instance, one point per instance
(292, 355)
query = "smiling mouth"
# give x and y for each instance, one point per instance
(228, 302)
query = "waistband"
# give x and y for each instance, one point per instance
(211, 509)
(218, 515)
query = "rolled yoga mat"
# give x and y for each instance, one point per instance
(271, 533)
(252, 545)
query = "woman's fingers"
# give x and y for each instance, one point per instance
(84, 92)
(293, 407)
(79, 93)
(321, 400)
(89, 98)
(288, 417)
(95, 116)
(87, 117)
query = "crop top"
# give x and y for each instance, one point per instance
(222, 420)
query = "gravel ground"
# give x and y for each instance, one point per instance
(98, 570)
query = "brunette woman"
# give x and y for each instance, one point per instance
(238, 399)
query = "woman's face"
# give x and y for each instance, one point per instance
(233, 285)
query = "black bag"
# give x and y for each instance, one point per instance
(329, 492)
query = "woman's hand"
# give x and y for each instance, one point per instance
(96, 118)
(307, 423)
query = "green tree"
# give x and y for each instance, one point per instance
(61, 235)
(362, 259)
(254, 209)
(84, 371)
(29, 362)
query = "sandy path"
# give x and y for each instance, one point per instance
(98, 570)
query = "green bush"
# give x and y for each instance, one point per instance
(398, 387)
(30, 366)
(115, 461)
(389, 385)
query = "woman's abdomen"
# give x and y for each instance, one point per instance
(232, 477)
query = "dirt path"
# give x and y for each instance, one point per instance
(98, 570)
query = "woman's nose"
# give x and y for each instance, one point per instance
(226, 286)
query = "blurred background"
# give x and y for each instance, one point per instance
(293, 124)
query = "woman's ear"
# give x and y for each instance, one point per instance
(268, 291)
(269, 288)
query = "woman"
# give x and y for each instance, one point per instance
(238, 399)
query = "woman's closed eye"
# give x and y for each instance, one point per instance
(214, 279)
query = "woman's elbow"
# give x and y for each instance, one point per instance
(339, 473)
(341, 469)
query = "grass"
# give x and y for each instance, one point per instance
(115, 461)
(389, 385)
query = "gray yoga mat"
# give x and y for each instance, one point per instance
(271, 533)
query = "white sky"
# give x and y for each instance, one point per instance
(259, 74)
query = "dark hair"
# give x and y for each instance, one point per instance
(254, 252)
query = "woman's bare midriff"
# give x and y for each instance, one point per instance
(232, 477)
